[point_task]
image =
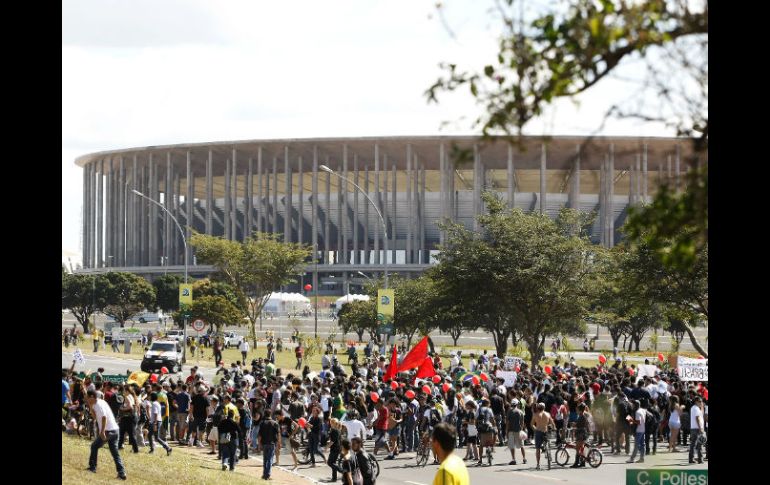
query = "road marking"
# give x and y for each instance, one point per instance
(541, 476)
(413, 483)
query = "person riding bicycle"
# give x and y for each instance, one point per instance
(429, 419)
(541, 420)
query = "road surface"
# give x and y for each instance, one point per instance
(283, 328)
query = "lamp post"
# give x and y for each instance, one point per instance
(184, 243)
(382, 219)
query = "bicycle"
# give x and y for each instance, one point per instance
(305, 457)
(593, 456)
(545, 448)
(423, 450)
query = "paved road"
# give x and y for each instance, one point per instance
(612, 471)
(119, 364)
(326, 326)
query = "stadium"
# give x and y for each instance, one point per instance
(281, 186)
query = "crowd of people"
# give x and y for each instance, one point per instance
(258, 408)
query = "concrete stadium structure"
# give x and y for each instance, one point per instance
(233, 188)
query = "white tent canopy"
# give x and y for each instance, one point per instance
(287, 302)
(348, 298)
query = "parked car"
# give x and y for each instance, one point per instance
(232, 340)
(177, 335)
(163, 353)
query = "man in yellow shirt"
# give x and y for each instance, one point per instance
(228, 402)
(452, 470)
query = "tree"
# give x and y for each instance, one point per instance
(520, 274)
(207, 287)
(466, 275)
(254, 268)
(215, 310)
(684, 288)
(125, 295)
(167, 292)
(415, 310)
(566, 51)
(80, 296)
(358, 316)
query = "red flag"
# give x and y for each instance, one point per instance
(392, 368)
(426, 369)
(416, 356)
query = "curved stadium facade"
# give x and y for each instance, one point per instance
(233, 188)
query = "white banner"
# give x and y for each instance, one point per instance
(693, 369)
(646, 370)
(509, 376)
(511, 362)
(78, 356)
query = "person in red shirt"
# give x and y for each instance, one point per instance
(380, 426)
(298, 355)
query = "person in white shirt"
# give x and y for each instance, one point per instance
(697, 427)
(454, 362)
(472, 365)
(639, 419)
(355, 427)
(107, 429)
(244, 348)
(156, 419)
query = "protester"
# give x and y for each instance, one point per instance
(452, 470)
(107, 431)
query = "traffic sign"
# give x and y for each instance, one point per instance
(198, 325)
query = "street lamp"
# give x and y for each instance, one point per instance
(382, 219)
(184, 243)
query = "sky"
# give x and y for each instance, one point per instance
(181, 71)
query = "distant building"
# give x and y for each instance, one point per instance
(233, 188)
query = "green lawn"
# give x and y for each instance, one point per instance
(143, 468)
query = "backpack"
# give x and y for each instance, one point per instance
(516, 418)
(246, 418)
(554, 411)
(435, 417)
(483, 424)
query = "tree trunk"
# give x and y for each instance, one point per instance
(86, 324)
(501, 342)
(360, 334)
(694, 340)
(535, 350)
(455, 337)
(637, 341)
(615, 340)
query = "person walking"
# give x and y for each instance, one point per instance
(697, 428)
(514, 423)
(127, 413)
(639, 419)
(452, 470)
(244, 348)
(334, 447)
(107, 431)
(228, 439)
(269, 434)
(156, 420)
(244, 427)
(674, 423)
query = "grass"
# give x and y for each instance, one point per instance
(143, 468)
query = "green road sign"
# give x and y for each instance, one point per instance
(385, 329)
(667, 477)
